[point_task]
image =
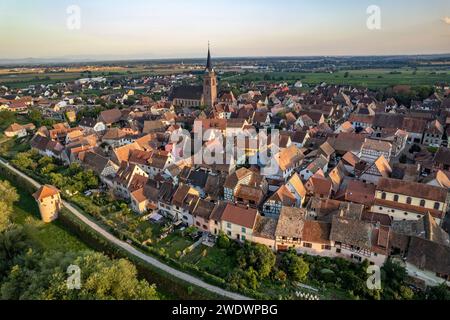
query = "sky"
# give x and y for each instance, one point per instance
(151, 29)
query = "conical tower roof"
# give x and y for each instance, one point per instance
(209, 66)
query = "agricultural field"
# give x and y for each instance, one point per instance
(25, 77)
(371, 78)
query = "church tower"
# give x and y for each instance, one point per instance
(209, 83)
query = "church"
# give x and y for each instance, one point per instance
(196, 96)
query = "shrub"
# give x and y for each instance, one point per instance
(223, 242)
(296, 268)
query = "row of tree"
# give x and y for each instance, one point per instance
(73, 178)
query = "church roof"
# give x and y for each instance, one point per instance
(209, 66)
(187, 92)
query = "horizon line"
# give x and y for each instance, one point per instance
(124, 59)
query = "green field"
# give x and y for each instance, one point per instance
(373, 78)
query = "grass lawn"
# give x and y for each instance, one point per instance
(213, 260)
(173, 243)
(334, 294)
(155, 227)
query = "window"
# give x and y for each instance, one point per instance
(326, 247)
(229, 233)
(338, 250)
(383, 196)
(307, 245)
(422, 203)
(437, 206)
(243, 238)
(409, 200)
(396, 198)
(244, 230)
(229, 225)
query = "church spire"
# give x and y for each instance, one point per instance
(208, 62)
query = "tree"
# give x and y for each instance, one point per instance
(294, 266)
(44, 161)
(44, 276)
(6, 119)
(57, 179)
(251, 276)
(258, 257)
(36, 117)
(13, 243)
(5, 216)
(148, 233)
(393, 278)
(49, 168)
(23, 161)
(8, 194)
(243, 279)
(223, 242)
(280, 276)
(441, 292)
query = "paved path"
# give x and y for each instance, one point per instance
(154, 262)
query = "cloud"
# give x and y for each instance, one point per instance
(446, 20)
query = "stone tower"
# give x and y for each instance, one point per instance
(209, 83)
(49, 202)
